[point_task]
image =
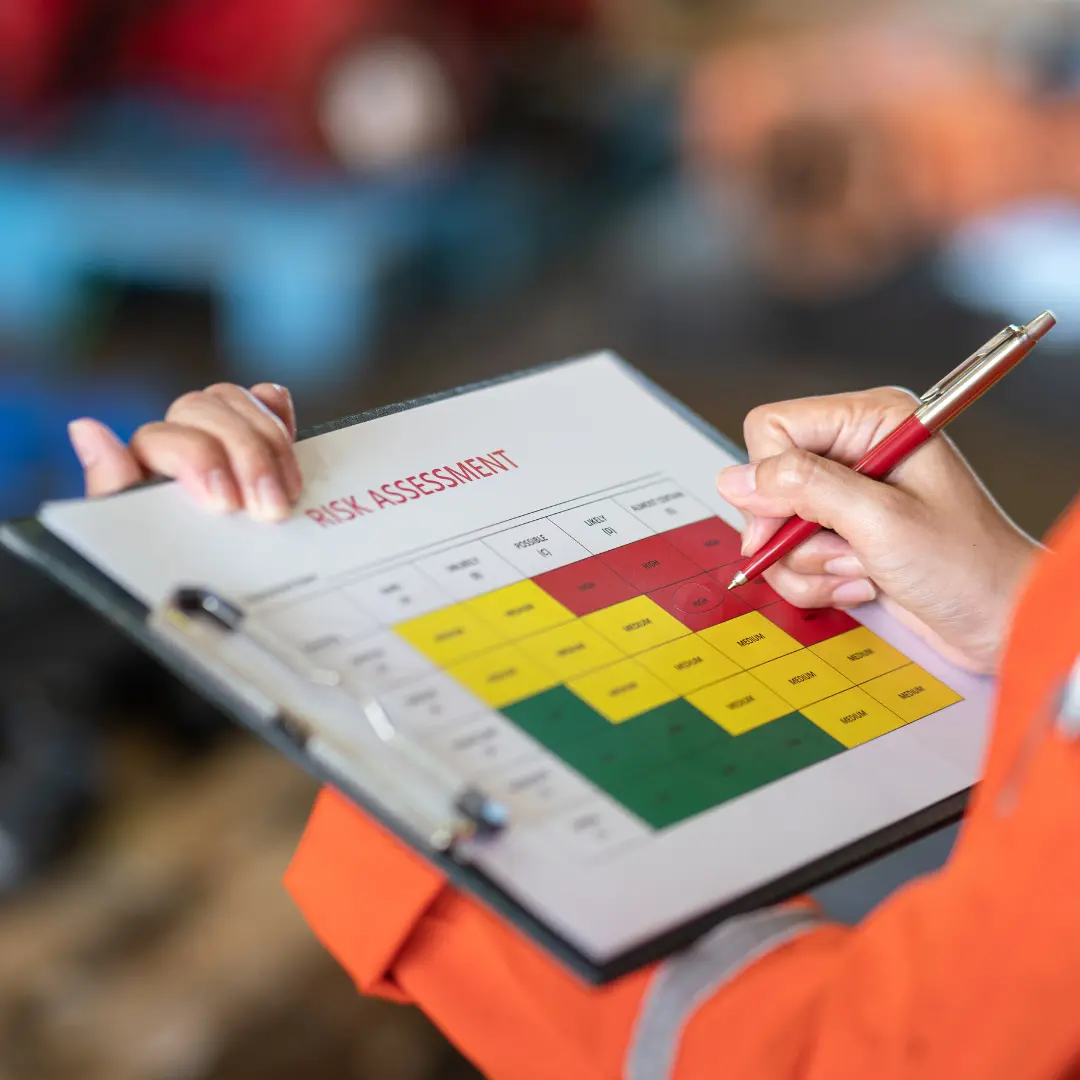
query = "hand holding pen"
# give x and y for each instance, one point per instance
(944, 557)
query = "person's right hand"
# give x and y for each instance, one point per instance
(934, 545)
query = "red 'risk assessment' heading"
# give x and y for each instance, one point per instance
(398, 492)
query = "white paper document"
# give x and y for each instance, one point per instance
(532, 579)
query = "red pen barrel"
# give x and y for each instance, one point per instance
(879, 461)
(788, 537)
(882, 458)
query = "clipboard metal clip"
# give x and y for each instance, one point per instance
(445, 807)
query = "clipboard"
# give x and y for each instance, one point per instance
(32, 541)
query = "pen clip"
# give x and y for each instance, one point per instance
(466, 810)
(977, 359)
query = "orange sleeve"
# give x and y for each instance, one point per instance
(971, 972)
(974, 971)
(361, 890)
(402, 933)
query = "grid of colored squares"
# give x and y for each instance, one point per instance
(642, 672)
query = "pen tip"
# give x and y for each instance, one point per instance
(1040, 325)
(737, 580)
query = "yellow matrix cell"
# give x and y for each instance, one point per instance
(570, 650)
(860, 655)
(739, 703)
(502, 676)
(911, 693)
(621, 691)
(688, 664)
(636, 625)
(750, 639)
(449, 634)
(801, 678)
(852, 717)
(519, 610)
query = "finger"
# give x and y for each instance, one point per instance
(193, 457)
(802, 590)
(818, 490)
(252, 459)
(277, 397)
(825, 553)
(855, 593)
(757, 531)
(843, 427)
(108, 465)
(819, 590)
(839, 426)
(272, 427)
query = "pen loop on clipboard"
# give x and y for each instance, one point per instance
(468, 810)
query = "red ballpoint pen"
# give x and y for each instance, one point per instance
(940, 404)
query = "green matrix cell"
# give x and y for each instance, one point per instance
(672, 762)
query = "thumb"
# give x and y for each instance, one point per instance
(108, 465)
(818, 490)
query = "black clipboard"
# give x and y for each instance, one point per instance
(31, 541)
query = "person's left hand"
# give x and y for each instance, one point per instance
(231, 448)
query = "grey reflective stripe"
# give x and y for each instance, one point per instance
(685, 981)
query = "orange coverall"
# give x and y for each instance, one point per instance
(973, 971)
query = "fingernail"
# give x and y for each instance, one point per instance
(852, 593)
(220, 492)
(845, 566)
(270, 501)
(738, 481)
(83, 441)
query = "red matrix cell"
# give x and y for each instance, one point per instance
(710, 543)
(699, 603)
(586, 586)
(808, 626)
(755, 594)
(651, 563)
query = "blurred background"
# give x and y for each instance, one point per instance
(373, 199)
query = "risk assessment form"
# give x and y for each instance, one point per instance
(531, 577)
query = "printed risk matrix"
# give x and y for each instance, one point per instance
(603, 638)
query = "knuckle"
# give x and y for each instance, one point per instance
(151, 430)
(796, 469)
(224, 389)
(189, 446)
(763, 420)
(273, 388)
(757, 418)
(892, 400)
(185, 403)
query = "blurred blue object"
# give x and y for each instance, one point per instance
(36, 460)
(151, 195)
(157, 194)
(1021, 259)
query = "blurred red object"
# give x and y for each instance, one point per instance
(372, 82)
(33, 39)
